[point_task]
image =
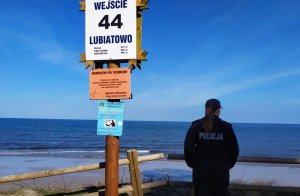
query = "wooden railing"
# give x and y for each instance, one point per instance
(251, 187)
(249, 159)
(136, 185)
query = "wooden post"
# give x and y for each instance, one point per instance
(112, 157)
(137, 172)
(134, 170)
(131, 172)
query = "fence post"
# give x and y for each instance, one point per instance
(134, 170)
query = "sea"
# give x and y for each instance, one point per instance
(79, 139)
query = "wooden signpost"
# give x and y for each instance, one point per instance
(113, 36)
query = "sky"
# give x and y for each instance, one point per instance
(246, 53)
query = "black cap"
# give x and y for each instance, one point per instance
(214, 104)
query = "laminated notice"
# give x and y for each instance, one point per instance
(110, 118)
(110, 83)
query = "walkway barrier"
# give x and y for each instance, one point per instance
(135, 180)
(136, 186)
(249, 159)
(250, 187)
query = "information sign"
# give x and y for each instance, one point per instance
(110, 118)
(110, 83)
(110, 29)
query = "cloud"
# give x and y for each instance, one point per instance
(181, 98)
(34, 36)
(187, 91)
(258, 81)
(48, 50)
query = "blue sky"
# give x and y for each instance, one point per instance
(245, 53)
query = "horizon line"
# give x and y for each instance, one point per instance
(73, 119)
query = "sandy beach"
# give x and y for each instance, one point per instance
(174, 170)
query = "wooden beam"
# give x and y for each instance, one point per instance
(83, 59)
(148, 185)
(111, 169)
(142, 4)
(134, 170)
(112, 157)
(141, 55)
(88, 63)
(132, 173)
(82, 5)
(137, 172)
(128, 188)
(81, 168)
(53, 172)
(250, 159)
(269, 160)
(139, 25)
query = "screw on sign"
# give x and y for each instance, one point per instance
(110, 32)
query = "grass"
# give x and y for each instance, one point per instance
(173, 189)
(31, 189)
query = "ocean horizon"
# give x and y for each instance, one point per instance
(74, 119)
(78, 138)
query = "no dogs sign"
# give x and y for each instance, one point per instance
(110, 118)
(110, 31)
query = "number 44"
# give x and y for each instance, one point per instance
(104, 22)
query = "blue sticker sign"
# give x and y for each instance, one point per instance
(110, 118)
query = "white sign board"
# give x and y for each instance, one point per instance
(110, 29)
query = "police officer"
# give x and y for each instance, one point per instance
(211, 149)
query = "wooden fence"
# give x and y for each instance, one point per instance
(249, 159)
(137, 187)
(249, 187)
(135, 180)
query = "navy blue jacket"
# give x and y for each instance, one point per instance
(215, 149)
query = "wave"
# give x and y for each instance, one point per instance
(60, 152)
(46, 147)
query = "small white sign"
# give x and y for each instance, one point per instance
(110, 29)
